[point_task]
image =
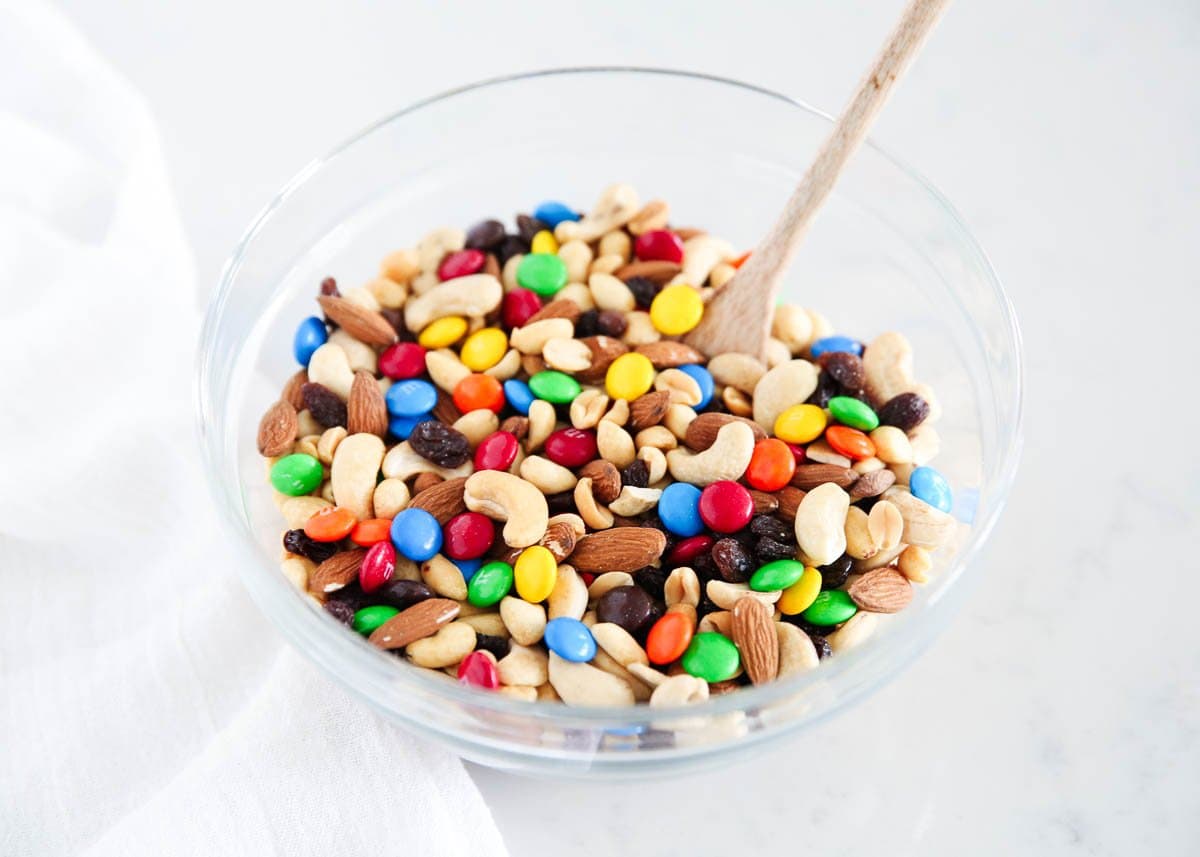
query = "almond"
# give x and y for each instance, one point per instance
(339, 570)
(604, 350)
(293, 390)
(657, 271)
(426, 480)
(560, 540)
(809, 476)
(277, 429)
(764, 503)
(416, 623)
(702, 431)
(443, 500)
(622, 549)
(363, 324)
(445, 410)
(649, 409)
(666, 354)
(606, 479)
(883, 590)
(754, 634)
(517, 426)
(872, 484)
(365, 409)
(561, 308)
(491, 265)
(789, 501)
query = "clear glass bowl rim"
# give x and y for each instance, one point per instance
(376, 668)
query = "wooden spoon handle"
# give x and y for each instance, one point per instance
(738, 318)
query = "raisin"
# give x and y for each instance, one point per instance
(636, 475)
(835, 574)
(587, 325)
(498, 646)
(827, 388)
(611, 323)
(340, 610)
(324, 405)
(485, 235)
(769, 550)
(772, 528)
(644, 290)
(295, 541)
(560, 504)
(905, 412)
(401, 593)
(651, 579)
(807, 627)
(512, 245)
(395, 318)
(733, 561)
(822, 646)
(528, 226)
(655, 522)
(845, 368)
(439, 443)
(352, 596)
(329, 288)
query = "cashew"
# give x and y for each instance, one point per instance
(639, 329)
(682, 587)
(547, 477)
(608, 581)
(444, 578)
(787, 384)
(792, 326)
(445, 369)
(821, 524)
(354, 473)
(474, 295)
(297, 570)
(423, 282)
(328, 443)
(401, 266)
(887, 364)
(526, 622)
(508, 367)
(725, 595)
(656, 462)
(569, 596)
(700, 255)
(532, 338)
(523, 666)
(436, 244)
(682, 387)
(737, 370)
(583, 684)
(615, 444)
(679, 690)
(610, 293)
(542, 419)
(653, 215)
(634, 501)
(647, 675)
(487, 623)
(504, 497)
(915, 564)
(476, 425)
(446, 648)
(854, 632)
(820, 452)
(329, 366)
(924, 526)
(677, 420)
(659, 437)
(616, 205)
(727, 458)
(594, 515)
(389, 293)
(359, 354)
(587, 408)
(892, 445)
(797, 654)
(402, 462)
(297, 510)
(577, 256)
(619, 644)
(566, 355)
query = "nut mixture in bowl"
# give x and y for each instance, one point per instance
(501, 461)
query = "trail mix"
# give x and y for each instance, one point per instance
(500, 461)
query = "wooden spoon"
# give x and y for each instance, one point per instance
(738, 317)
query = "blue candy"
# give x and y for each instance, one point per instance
(927, 484)
(468, 567)
(836, 343)
(411, 398)
(679, 509)
(519, 395)
(570, 639)
(416, 534)
(402, 427)
(553, 213)
(310, 336)
(704, 378)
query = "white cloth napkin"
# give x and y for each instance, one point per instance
(145, 706)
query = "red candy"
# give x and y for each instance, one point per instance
(331, 524)
(571, 447)
(659, 244)
(377, 567)
(461, 264)
(402, 361)
(478, 669)
(798, 453)
(367, 533)
(687, 550)
(518, 306)
(467, 536)
(771, 466)
(497, 451)
(476, 392)
(726, 507)
(849, 442)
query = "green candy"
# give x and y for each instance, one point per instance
(491, 583)
(779, 574)
(296, 475)
(711, 656)
(832, 607)
(368, 619)
(543, 273)
(555, 387)
(851, 412)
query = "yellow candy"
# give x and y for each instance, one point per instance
(800, 424)
(543, 242)
(800, 595)
(676, 310)
(535, 573)
(483, 349)
(443, 332)
(629, 376)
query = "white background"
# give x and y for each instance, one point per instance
(1061, 712)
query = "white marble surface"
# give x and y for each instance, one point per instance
(1060, 714)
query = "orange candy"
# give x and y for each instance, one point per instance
(331, 524)
(370, 531)
(475, 392)
(740, 260)
(668, 638)
(849, 442)
(771, 466)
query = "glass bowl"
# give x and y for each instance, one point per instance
(886, 253)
